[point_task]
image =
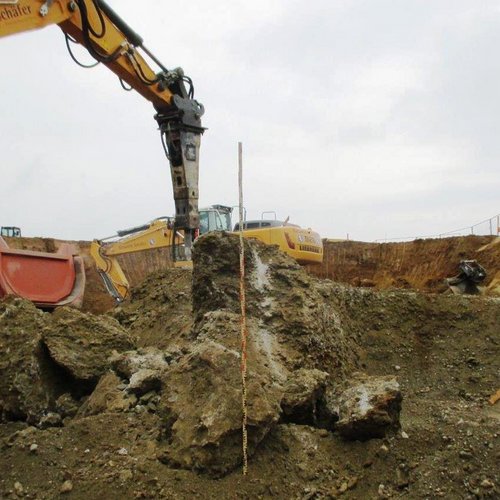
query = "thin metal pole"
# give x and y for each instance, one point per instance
(243, 316)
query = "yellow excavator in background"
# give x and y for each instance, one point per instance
(304, 245)
(112, 42)
(160, 233)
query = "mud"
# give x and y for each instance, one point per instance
(157, 414)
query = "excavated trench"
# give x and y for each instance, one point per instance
(351, 392)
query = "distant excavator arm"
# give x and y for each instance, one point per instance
(109, 269)
(158, 234)
(110, 41)
(304, 245)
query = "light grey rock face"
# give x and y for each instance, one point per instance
(50, 420)
(368, 407)
(149, 358)
(142, 371)
(143, 381)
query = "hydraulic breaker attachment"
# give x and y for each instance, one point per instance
(181, 130)
(47, 279)
(111, 273)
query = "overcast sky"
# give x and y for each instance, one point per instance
(373, 118)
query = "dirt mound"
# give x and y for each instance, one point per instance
(160, 312)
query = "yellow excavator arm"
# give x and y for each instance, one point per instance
(304, 245)
(158, 234)
(110, 41)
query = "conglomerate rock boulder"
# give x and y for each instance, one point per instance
(289, 326)
(82, 343)
(201, 407)
(368, 407)
(25, 381)
(44, 357)
(289, 308)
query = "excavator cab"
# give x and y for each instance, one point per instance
(10, 231)
(215, 218)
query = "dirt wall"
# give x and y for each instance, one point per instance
(421, 264)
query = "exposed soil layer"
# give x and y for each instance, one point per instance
(442, 349)
(421, 264)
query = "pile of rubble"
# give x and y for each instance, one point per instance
(303, 361)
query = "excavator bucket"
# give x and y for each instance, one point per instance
(47, 279)
(467, 281)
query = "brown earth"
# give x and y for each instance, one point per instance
(420, 264)
(443, 350)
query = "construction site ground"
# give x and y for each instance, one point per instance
(71, 428)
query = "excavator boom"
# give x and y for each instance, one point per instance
(112, 42)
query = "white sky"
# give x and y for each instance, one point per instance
(374, 118)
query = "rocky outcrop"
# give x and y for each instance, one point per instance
(368, 407)
(287, 306)
(82, 343)
(50, 361)
(298, 342)
(289, 326)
